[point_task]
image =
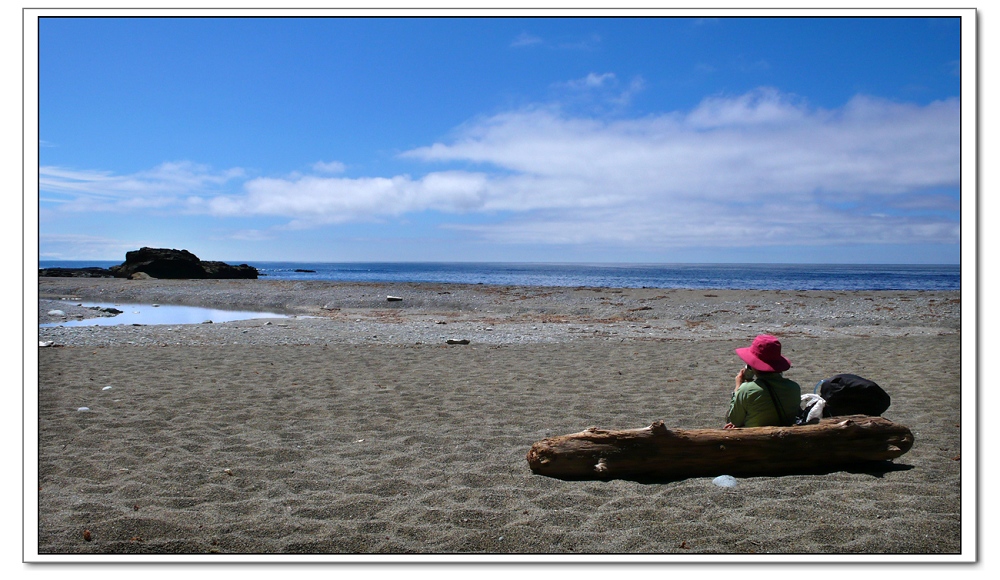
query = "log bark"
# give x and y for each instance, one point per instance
(657, 452)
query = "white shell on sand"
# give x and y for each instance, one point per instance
(56, 313)
(82, 409)
(725, 481)
(107, 388)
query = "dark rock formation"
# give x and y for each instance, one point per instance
(223, 270)
(167, 263)
(75, 273)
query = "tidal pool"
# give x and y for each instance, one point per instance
(161, 314)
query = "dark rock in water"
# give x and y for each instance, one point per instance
(167, 263)
(75, 273)
(305, 271)
(224, 270)
(160, 263)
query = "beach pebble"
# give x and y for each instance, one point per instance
(458, 341)
(83, 409)
(56, 313)
(107, 388)
(725, 481)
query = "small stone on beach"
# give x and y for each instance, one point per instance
(725, 481)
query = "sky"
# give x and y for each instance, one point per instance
(643, 140)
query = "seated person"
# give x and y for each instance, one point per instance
(752, 405)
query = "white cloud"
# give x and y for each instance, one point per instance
(525, 39)
(604, 86)
(634, 87)
(161, 186)
(592, 80)
(585, 43)
(329, 167)
(764, 106)
(566, 43)
(318, 200)
(646, 227)
(755, 166)
(78, 247)
(760, 168)
(732, 149)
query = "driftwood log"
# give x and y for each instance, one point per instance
(657, 452)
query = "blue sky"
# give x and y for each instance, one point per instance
(501, 139)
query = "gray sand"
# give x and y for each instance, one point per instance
(361, 432)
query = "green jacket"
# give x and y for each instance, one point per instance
(751, 406)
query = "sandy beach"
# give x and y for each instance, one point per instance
(352, 427)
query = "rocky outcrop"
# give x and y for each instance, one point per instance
(223, 270)
(75, 273)
(167, 263)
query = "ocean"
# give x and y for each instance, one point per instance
(690, 276)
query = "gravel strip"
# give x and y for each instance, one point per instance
(353, 313)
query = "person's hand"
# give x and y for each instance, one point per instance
(729, 426)
(739, 379)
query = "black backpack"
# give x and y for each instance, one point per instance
(852, 395)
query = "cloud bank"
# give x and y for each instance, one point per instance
(761, 168)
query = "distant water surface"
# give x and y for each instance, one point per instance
(691, 276)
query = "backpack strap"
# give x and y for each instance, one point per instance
(774, 399)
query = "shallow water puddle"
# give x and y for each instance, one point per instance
(162, 314)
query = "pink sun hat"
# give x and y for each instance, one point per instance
(764, 355)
